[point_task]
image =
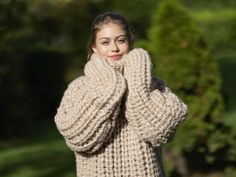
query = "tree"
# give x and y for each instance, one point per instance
(182, 58)
(29, 87)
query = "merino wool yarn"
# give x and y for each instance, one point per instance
(117, 116)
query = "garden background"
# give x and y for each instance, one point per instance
(43, 47)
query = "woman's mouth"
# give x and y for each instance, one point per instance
(115, 57)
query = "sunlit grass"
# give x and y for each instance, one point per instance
(42, 157)
(224, 14)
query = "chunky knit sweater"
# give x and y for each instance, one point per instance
(116, 117)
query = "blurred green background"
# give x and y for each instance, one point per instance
(43, 46)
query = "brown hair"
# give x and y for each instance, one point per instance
(105, 18)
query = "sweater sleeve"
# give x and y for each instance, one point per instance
(155, 117)
(87, 112)
(152, 109)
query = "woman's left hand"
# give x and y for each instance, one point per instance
(137, 70)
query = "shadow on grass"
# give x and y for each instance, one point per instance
(42, 157)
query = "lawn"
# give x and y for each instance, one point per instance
(42, 156)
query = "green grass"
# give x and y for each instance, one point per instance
(42, 156)
(219, 15)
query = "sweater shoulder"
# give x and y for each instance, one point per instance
(79, 81)
(75, 85)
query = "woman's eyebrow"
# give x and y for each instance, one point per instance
(103, 38)
(122, 35)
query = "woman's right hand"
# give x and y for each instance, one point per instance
(87, 114)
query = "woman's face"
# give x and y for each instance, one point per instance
(111, 42)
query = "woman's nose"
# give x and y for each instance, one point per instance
(114, 47)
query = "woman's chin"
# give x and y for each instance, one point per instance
(114, 58)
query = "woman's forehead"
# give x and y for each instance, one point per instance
(110, 30)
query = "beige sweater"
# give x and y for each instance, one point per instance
(116, 117)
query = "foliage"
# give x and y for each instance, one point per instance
(220, 27)
(31, 68)
(43, 47)
(138, 16)
(210, 4)
(182, 58)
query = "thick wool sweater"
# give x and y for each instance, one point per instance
(116, 117)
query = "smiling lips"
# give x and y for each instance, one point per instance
(115, 57)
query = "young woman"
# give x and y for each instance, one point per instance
(117, 116)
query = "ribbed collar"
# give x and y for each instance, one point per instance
(117, 65)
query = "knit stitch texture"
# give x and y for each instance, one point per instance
(117, 116)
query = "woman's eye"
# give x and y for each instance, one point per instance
(104, 43)
(121, 40)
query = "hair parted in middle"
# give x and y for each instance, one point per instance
(115, 17)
